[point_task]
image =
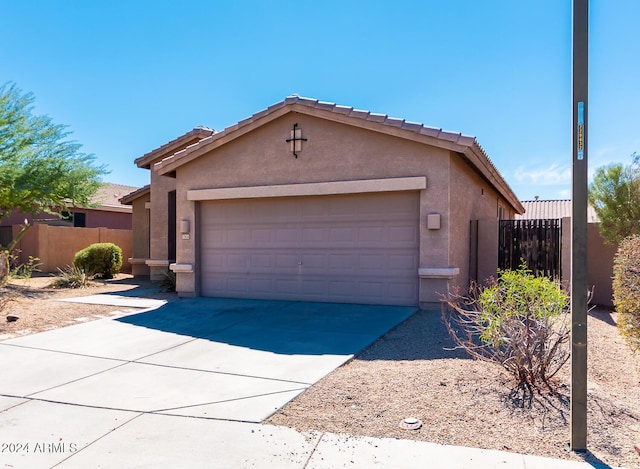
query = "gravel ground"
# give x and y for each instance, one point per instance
(38, 307)
(413, 371)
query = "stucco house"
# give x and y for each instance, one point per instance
(105, 211)
(309, 200)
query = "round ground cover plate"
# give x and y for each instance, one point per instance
(410, 423)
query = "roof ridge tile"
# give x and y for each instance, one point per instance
(325, 105)
(375, 117)
(393, 121)
(469, 142)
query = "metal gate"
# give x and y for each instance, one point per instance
(536, 242)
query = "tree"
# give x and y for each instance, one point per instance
(40, 170)
(615, 196)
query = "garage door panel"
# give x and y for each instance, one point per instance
(341, 235)
(314, 288)
(284, 261)
(262, 261)
(402, 234)
(286, 235)
(353, 248)
(314, 261)
(238, 285)
(261, 235)
(261, 285)
(372, 234)
(403, 262)
(344, 261)
(315, 234)
(239, 261)
(286, 286)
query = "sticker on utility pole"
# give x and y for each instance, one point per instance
(581, 130)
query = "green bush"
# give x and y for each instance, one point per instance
(626, 290)
(102, 260)
(519, 321)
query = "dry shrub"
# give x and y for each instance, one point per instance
(70, 277)
(519, 321)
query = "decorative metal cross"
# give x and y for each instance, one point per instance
(296, 140)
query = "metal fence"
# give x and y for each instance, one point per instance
(536, 242)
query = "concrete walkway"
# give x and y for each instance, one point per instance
(185, 384)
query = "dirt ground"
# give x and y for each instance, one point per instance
(413, 371)
(39, 308)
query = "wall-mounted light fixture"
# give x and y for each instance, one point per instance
(185, 229)
(296, 139)
(433, 221)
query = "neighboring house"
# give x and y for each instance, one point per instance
(54, 240)
(550, 209)
(106, 212)
(308, 200)
(599, 254)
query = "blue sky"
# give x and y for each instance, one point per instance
(128, 76)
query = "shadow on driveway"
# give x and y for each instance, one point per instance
(423, 336)
(282, 327)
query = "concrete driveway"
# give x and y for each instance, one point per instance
(109, 388)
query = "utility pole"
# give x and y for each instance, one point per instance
(579, 283)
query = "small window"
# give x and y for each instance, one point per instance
(79, 219)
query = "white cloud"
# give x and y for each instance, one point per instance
(544, 176)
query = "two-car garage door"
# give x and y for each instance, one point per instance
(357, 248)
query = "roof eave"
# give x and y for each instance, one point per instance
(194, 135)
(130, 197)
(483, 164)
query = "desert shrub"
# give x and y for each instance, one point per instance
(70, 277)
(519, 321)
(22, 270)
(102, 260)
(4, 267)
(626, 290)
(168, 282)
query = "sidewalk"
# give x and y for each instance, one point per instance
(146, 440)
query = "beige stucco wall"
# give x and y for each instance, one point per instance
(158, 248)
(56, 246)
(600, 256)
(472, 198)
(141, 235)
(333, 152)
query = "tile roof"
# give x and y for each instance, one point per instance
(174, 145)
(128, 198)
(546, 209)
(109, 194)
(456, 141)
